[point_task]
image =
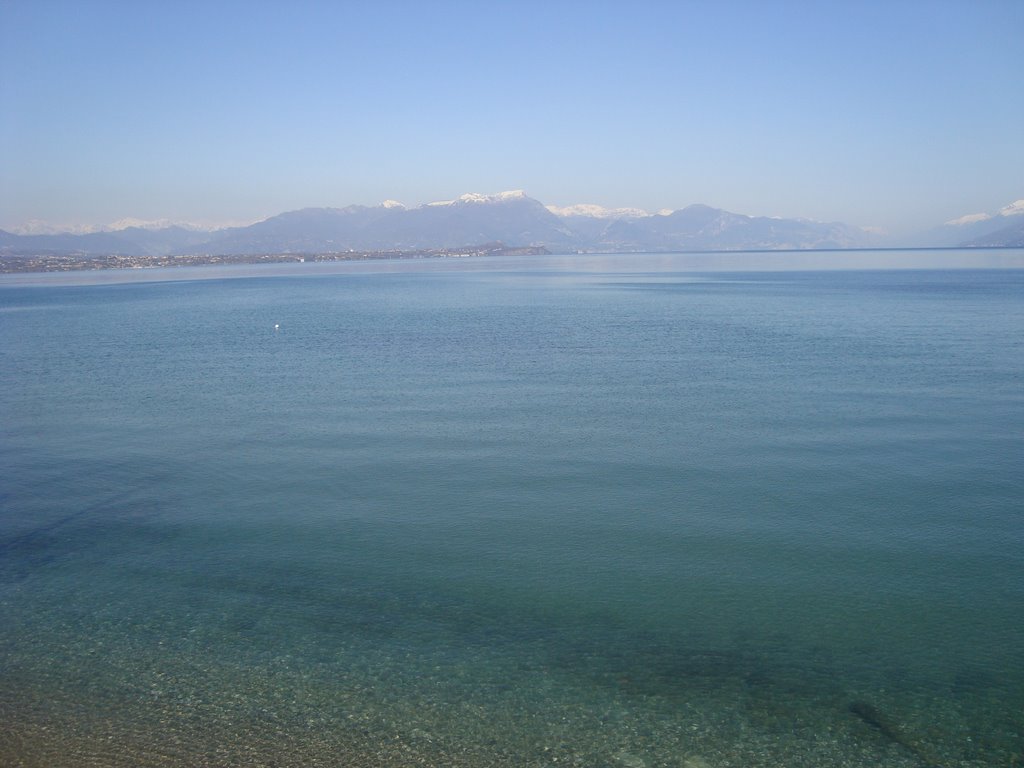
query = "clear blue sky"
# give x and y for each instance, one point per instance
(890, 114)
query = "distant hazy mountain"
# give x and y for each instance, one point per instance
(516, 219)
(1010, 236)
(588, 222)
(978, 229)
(304, 231)
(700, 227)
(132, 241)
(511, 218)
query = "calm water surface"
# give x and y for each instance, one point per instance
(591, 511)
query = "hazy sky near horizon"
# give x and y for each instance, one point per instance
(897, 115)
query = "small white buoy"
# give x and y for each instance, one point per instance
(276, 326)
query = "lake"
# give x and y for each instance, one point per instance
(627, 511)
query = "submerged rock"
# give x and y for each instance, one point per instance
(629, 760)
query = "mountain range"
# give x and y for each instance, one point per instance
(512, 218)
(982, 230)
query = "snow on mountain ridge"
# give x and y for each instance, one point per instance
(40, 227)
(580, 211)
(598, 211)
(476, 197)
(1016, 208)
(133, 223)
(970, 218)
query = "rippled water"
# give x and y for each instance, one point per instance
(612, 511)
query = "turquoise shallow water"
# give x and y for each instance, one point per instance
(595, 511)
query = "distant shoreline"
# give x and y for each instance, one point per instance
(78, 262)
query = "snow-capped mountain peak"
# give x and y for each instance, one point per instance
(40, 227)
(971, 218)
(133, 223)
(473, 197)
(476, 197)
(392, 204)
(597, 211)
(1015, 208)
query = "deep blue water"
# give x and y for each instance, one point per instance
(593, 511)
